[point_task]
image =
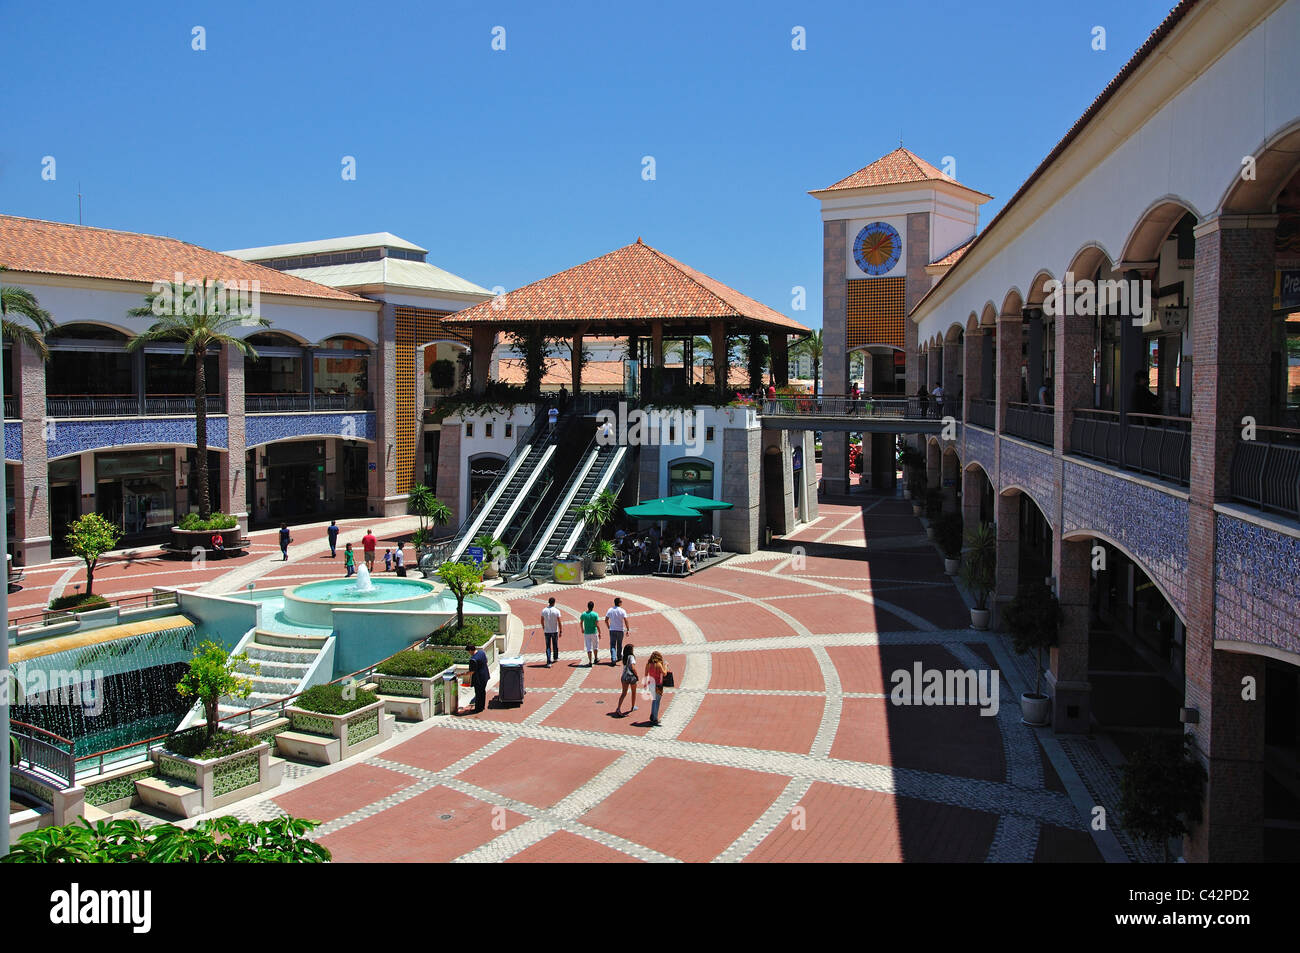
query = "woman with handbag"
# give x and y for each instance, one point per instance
(629, 680)
(656, 671)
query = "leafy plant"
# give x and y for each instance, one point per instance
(598, 510)
(416, 663)
(196, 743)
(1034, 620)
(978, 572)
(330, 699)
(948, 534)
(442, 374)
(493, 549)
(812, 346)
(431, 510)
(462, 580)
(1162, 786)
(933, 502)
(199, 315)
(89, 537)
(456, 635)
(79, 602)
(216, 840)
(603, 551)
(192, 522)
(21, 303)
(212, 674)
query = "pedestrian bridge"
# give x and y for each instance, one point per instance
(890, 413)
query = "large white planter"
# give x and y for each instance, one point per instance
(217, 781)
(316, 736)
(950, 566)
(979, 619)
(598, 568)
(1035, 709)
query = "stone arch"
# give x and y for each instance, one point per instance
(1014, 488)
(954, 333)
(1013, 303)
(989, 315)
(1075, 535)
(1090, 256)
(358, 338)
(93, 323)
(1038, 287)
(972, 323)
(1153, 227)
(1277, 160)
(279, 337)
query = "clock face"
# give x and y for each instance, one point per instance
(877, 247)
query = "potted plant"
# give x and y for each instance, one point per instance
(916, 487)
(978, 572)
(602, 553)
(1034, 620)
(933, 507)
(948, 534)
(1162, 785)
(494, 551)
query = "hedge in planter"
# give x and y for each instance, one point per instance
(948, 534)
(416, 663)
(471, 630)
(79, 602)
(193, 743)
(191, 523)
(329, 699)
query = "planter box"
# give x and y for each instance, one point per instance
(412, 697)
(190, 786)
(598, 568)
(568, 571)
(185, 540)
(315, 736)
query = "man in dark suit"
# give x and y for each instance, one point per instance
(478, 670)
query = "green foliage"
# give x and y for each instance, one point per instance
(416, 663)
(1161, 789)
(1034, 620)
(979, 571)
(21, 303)
(497, 398)
(493, 548)
(457, 634)
(212, 674)
(948, 534)
(442, 374)
(79, 602)
(89, 537)
(603, 551)
(812, 346)
(216, 840)
(193, 523)
(599, 510)
(431, 510)
(462, 580)
(194, 743)
(933, 502)
(535, 349)
(329, 699)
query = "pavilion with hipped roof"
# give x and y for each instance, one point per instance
(636, 292)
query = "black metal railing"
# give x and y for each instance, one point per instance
(45, 750)
(11, 408)
(1146, 443)
(300, 403)
(1266, 471)
(983, 413)
(879, 406)
(162, 405)
(1034, 422)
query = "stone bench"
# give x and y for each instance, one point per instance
(175, 797)
(407, 707)
(318, 749)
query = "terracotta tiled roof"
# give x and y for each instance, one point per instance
(952, 256)
(55, 248)
(899, 166)
(632, 283)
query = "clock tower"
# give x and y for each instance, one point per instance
(889, 231)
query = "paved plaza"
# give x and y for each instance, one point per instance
(779, 743)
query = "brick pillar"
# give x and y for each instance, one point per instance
(742, 461)
(234, 471)
(835, 445)
(721, 366)
(449, 470)
(934, 370)
(933, 464)
(481, 341)
(1231, 339)
(1008, 558)
(949, 474)
(1067, 677)
(972, 488)
(972, 370)
(382, 486)
(31, 490)
(575, 376)
(1008, 360)
(952, 380)
(1072, 377)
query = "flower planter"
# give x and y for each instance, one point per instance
(324, 739)
(424, 694)
(568, 571)
(979, 619)
(190, 786)
(598, 568)
(1035, 709)
(950, 566)
(186, 540)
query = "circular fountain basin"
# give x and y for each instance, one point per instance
(313, 603)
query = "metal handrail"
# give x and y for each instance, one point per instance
(1155, 444)
(983, 413)
(1034, 422)
(52, 616)
(128, 405)
(291, 402)
(1266, 471)
(55, 757)
(880, 406)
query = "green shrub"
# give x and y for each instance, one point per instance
(471, 630)
(933, 502)
(442, 374)
(948, 534)
(417, 663)
(329, 700)
(190, 743)
(79, 602)
(191, 522)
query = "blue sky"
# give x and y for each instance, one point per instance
(511, 165)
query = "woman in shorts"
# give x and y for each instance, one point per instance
(629, 680)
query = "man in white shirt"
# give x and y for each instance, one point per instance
(616, 622)
(552, 625)
(937, 394)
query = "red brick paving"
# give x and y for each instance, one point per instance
(565, 848)
(742, 621)
(338, 794)
(769, 670)
(689, 811)
(539, 772)
(845, 825)
(772, 723)
(831, 613)
(943, 739)
(588, 711)
(438, 748)
(415, 831)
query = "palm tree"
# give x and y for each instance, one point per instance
(21, 303)
(812, 346)
(202, 325)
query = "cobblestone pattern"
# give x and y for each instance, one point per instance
(1033, 471)
(1257, 589)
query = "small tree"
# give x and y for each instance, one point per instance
(213, 673)
(1034, 619)
(431, 511)
(1162, 786)
(599, 510)
(978, 572)
(948, 534)
(462, 580)
(18, 303)
(89, 537)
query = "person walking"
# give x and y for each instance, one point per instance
(332, 532)
(590, 633)
(349, 561)
(616, 623)
(388, 560)
(628, 680)
(552, 416)
(552, 626)
(368, 544)
(285, 540)
(655, 670)
(399, 562)
(478, 669)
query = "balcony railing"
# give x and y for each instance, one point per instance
(983, 413)
(1034, 422)
(124, 405)
(45, 750)
(1266, 471)
(1150, 443)
(11, 408)
(890, 406)
(300, 403)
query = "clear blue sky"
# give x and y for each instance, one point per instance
(509, 166)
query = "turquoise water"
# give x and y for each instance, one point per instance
(345, 590)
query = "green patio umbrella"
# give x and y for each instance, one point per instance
(700, 503)
(661, 509)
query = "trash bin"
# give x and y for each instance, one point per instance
(450, 691)
(510, 690)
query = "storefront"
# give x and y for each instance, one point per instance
(137, 491)
(691, 476)
(295, 479)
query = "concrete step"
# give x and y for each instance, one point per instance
(272, 687)
(317, 749)
(290, 640)
(407, 707)
(281, 655)
(295, 671)
(174, 797)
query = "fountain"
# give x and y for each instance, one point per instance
(313, 603)
(363, 583)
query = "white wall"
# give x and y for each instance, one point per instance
(520, 418)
